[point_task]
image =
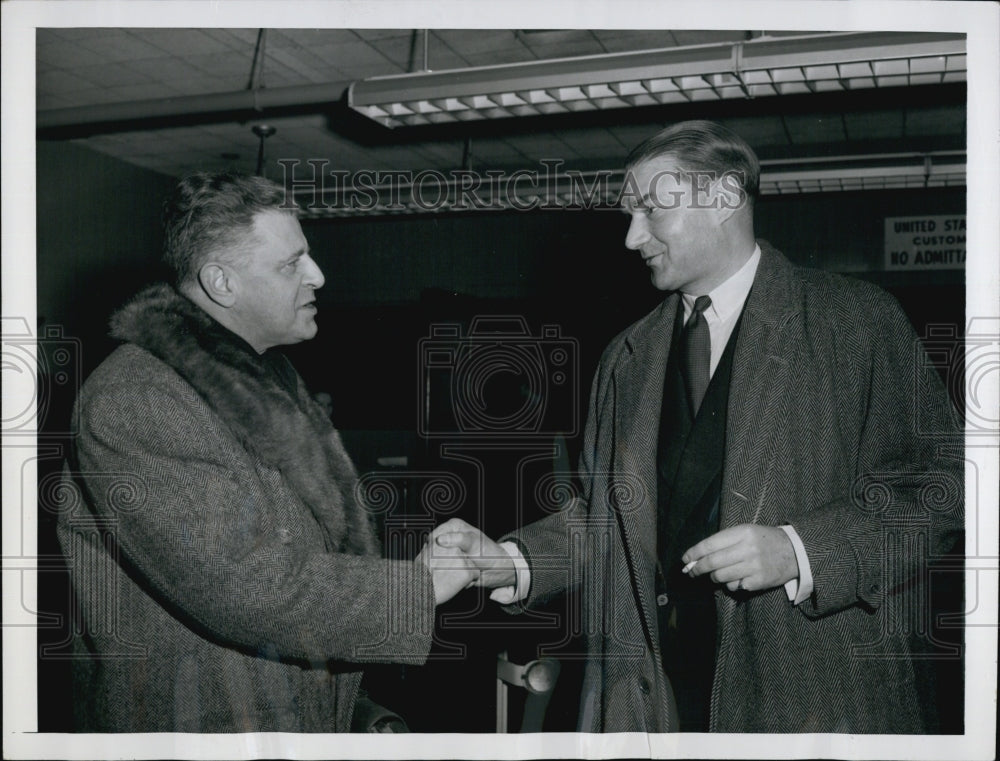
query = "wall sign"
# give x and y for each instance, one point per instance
(925, 243)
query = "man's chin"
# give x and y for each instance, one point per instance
(302, 333)
(661, 282)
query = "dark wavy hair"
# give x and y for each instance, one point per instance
(704, 146)
(212, 213)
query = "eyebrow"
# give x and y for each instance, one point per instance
(295, 256)
(628, 208)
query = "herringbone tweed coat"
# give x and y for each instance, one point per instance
(227, 580)
(836, 425)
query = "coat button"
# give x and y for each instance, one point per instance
(644, 686)
(662, 599)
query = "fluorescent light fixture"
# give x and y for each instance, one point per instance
(435, 192)
(872, 172)
(760, 67)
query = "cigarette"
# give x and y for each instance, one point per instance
(689, 566)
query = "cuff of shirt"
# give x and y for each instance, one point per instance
(517, 592)
(798, 590)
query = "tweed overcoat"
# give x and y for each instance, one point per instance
(210, 597)
(838, 426)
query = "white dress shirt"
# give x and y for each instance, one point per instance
(721, 316)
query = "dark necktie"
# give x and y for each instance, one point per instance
(697, 353)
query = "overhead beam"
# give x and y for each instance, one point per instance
(80, 121)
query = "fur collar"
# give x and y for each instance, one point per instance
(283, 429)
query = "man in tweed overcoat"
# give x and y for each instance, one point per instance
(227, 577)
(802, 500)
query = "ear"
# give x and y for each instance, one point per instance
(215, 281)
(728, 196)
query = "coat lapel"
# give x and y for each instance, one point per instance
(638, 380)
(761, 379)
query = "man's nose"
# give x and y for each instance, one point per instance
(638, 232)
(314, 275)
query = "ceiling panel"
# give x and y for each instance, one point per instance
(562, 44)
(112, 75)
(358, 53)
(399, 50)
(364, 71)
(168, 69)
(79, 67)
(589, 46)
(279, 75)
(203, 84)
(59, 83)
(497, 152)
(464, 41)
(618, 41)
(236, 36)
(440, 55)
(121, 45)
(703, 37)
(234, 65)
(135, 92)
(310, 37)
(184, 42)
(301, 65)
(379, 34)
(78, 33)
(498, 57)
(55, 53)
(542, 145)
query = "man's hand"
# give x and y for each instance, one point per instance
(747, 556)
(451, 571)
(493, 565)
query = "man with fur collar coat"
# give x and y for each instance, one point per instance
(227, 577)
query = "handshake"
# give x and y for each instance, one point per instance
(460, 556)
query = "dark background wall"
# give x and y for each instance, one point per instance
(388, 281)
(97, 242)
(389, 278)
(98, 236)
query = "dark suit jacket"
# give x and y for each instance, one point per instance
(836, 425)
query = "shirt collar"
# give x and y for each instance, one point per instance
(728, 297)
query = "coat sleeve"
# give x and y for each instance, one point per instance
(907, 501)
(547, 544)
(199, 536)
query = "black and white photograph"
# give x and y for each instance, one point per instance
(505, 380)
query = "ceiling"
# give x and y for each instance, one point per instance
(180, 100)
